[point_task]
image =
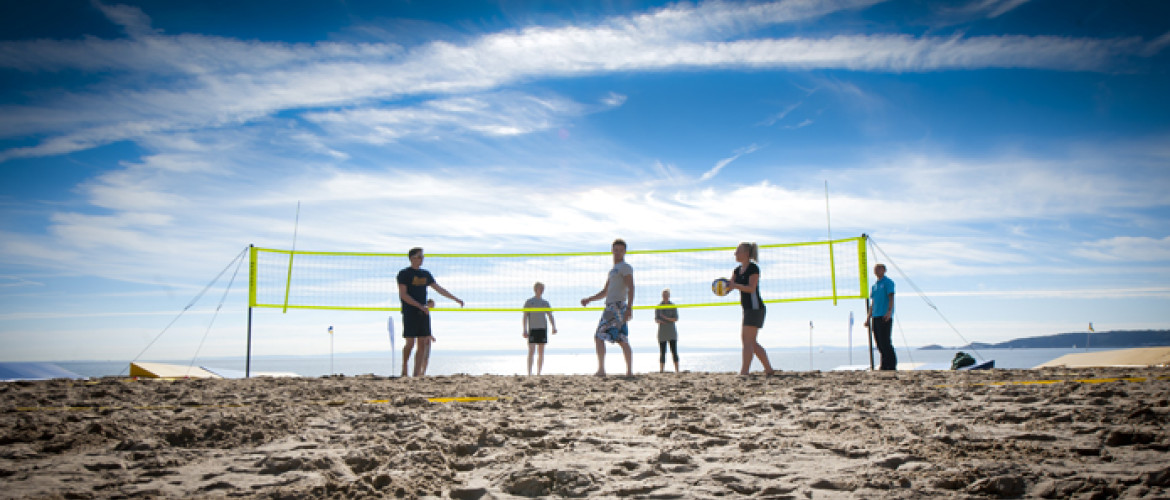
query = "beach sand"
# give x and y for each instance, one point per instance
(997, 434)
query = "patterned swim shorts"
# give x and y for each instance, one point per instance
(612, 327)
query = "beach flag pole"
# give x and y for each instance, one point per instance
(393, 350)
(850, 337)
(331, 350)
(810, 345)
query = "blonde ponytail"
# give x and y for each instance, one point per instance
(753, 251)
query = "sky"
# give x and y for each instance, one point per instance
(1010, 158)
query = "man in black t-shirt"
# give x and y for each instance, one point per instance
(416, 320)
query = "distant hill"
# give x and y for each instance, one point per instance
(1120, 339)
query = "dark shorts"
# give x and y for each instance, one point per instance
(538, 336)
(754, 317)
(415, 323)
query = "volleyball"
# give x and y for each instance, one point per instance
(721, 286)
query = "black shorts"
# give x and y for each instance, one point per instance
(415, 323)
(538, 336)
(754, 317)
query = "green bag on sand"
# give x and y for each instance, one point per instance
(962, 359)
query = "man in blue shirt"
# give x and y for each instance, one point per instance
(881, 313)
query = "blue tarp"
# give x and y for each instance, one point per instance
(34, 371)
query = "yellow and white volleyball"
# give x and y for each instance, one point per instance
(721, 286)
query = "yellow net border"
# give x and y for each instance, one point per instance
(861, 292)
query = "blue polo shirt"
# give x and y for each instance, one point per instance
(880, 293)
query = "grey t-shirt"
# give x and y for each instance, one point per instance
(666, 329)
(536, 319)
(617, 291)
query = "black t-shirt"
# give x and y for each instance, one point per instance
(748, 300)
(416, 281)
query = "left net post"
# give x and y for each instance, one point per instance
(251, 304)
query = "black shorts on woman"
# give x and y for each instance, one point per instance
(753, 305)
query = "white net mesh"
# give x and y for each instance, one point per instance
(502, 282)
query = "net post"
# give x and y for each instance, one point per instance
(863, 264)
(863, 261)
(248, 358)
(869, 333)
(251, 304)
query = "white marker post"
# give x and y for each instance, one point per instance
(393, 350)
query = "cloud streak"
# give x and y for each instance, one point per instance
(211, 82)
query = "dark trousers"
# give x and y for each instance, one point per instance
(883, 337)
(662, 351)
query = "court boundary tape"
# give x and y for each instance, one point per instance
(1104, 380)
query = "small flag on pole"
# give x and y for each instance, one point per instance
(1091, 327)
(330, 330)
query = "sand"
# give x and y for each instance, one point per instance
(691, 435)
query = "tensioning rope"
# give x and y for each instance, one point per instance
(215, 315)
(188, 306)
(924, 298)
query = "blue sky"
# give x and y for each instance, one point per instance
(1011, 156)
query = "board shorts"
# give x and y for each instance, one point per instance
(612, 327)
(415, 323)
(754, 317)
(538, 336)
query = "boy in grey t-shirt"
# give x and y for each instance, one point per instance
(535, 327)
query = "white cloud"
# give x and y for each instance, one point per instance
(726, 161)
(132, 19)
(995, 8)
(16, 281)
(1126, 249)
(1080, 294)
(500, 114)
(614, 99)
(215, 82)
(1156, 45)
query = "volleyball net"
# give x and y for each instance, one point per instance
(790, 272)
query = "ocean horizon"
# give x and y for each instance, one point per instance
(576, 361)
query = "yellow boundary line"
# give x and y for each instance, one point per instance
(472, 399)
(1062, 381)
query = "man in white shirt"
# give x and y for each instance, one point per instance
(619, 300)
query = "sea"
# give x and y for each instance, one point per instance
(576, 361)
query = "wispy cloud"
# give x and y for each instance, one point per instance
(171, 208)
(995, 8)
(7, 281)
(726, 161)
(1126, 249)
(501, 114)
(211, 82)
(1156, 45)
(1098, 293)
(613, 99)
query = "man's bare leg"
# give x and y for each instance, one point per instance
(406, 354)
